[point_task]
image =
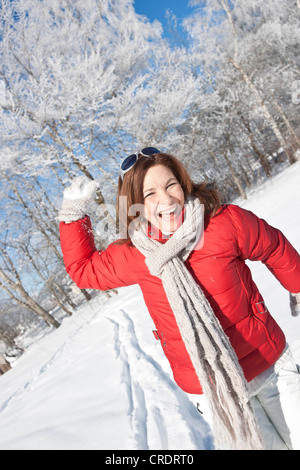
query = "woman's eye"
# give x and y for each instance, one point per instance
(147, 195)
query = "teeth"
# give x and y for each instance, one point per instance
(170, 211)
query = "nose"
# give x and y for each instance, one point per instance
(165, 198)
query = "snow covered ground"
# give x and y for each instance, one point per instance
(101, 380)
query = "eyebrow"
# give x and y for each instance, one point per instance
(152, 189)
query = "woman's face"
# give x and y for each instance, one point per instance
(163, 198)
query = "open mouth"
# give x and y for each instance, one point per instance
(167, 214)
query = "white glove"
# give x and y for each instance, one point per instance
(295, 304)
(77, 199)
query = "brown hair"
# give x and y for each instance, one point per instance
(132, 185)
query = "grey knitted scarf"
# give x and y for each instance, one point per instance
(214, 360)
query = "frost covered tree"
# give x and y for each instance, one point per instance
(70, 69)
(11, 282)
(248, 52)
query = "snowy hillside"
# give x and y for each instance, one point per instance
(101, 380)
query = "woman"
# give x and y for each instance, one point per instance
(187, 252)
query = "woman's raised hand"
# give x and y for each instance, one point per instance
(77, 199)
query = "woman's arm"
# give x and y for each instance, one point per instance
(89, 268)
(258, 241)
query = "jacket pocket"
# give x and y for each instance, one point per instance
(262, 315)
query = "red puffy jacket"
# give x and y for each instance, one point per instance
(230, 237)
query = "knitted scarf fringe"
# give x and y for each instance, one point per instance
(215, 362)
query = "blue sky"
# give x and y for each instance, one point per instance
(156, 9)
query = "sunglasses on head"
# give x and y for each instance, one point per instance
(129, 161)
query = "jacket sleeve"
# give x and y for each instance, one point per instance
(258, 241)
(89, 268)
